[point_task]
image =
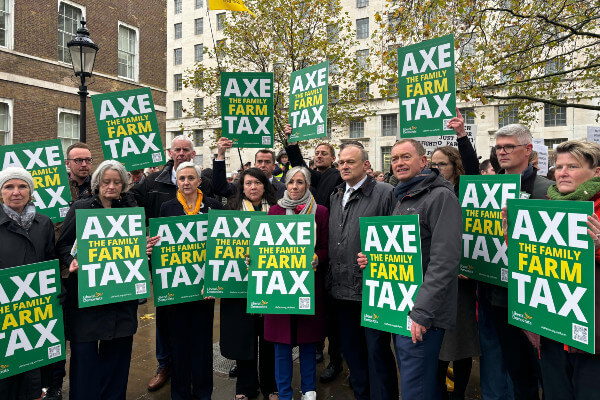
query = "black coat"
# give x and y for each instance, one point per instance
(104, 322)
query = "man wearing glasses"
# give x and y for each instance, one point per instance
(79, 162)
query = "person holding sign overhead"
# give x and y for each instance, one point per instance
(101, 336)
(287, 331)
(27, 237)
(190, 324)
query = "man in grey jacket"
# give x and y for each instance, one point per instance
(426, 193)
(366, 351)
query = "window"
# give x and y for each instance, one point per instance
(332, 33)
(177, 6)
(177, 109)
(198, 78)
(386, 157)
(198, 52)
(362, 57)
(178, 30)
(177, 82)
(468, 48)
(198, 137)
(6, 25)
(362, 3)
(468, 114)
(68, 128)
(218, 104)
(177, 56)
(391, 56)
(220, 21)
(220, 50)
(334, 94)
(328, 137)
(507, 115)
(199, 105)
(554, 66)
(555, 115)
(199, 26)
(389, 124)
(128, 52)
(357, 128)
(362, 90)
(5, 122)
(68, 20)
(199, 4)
(362, 28)
(334, 67)
(392, 87)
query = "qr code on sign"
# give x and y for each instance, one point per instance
(320, 129)
(580, 333)
(445, 125)
(408, 323)
(54, 351)
(63, 211)
(157, 157)
(504, 274)
(140, 288)
(304, 303)
(266, 140)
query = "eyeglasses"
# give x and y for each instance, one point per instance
(509, 148)
(439, 165)
(80, 161)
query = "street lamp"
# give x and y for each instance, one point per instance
(83, 54)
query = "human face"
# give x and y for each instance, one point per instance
(181, 151)
(79, 172)
(188, 181)
(323, 157)
(516, 161)
(296, 187)
(283, 159)
(16, 194)
(406, 163)
(264, 162)
(442, 162)
(380, 177)
(570, 173)
(253, 189)
(488, 171)
(352, 168)
(535, 163)
(111, 185)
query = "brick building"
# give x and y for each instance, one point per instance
(38, 92)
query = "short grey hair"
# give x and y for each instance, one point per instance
(364, 155)
(293, 171)
(181, 137)
(189, 164)
(105, 166)
(521, 132)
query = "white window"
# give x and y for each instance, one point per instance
(177, 55)
(198, 137)
(178, 30)
(507, 115)
(199, 26)
(68, 127)
(177, 6)
(6, 23)
(362, 3)
(69, 17)
(199, 3)
(362, 90)
(177, 82)
(5, 121)
(362, 56)
(177, 109)
(357, 128)
(128, 52)
(220, 21)
(555, 115)
(362, 28)
(469, 115)
(389, 124)
(198, 52)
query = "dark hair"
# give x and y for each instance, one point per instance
(266, 151)
(78, 145)
(331, 148)
(235, 201)
(454, 157)
(494, 160)
(485, 164)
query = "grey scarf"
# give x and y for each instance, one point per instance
(308, 201)
(23, 219)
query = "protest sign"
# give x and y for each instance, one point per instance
(593, 134)
(128, 128)
(45, 161)
(247, 108)
(178, 258)
(281, 279)
(226, 250)
(308, 102)
(552, 270)
(432, 143)
(32, 333)
(426, 87)
(484, 247)
(394, 271)
(543, 159)
(111, 252)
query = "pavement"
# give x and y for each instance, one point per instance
(143, 367)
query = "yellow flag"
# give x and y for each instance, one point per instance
(233, 5)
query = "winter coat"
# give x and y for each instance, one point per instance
(223, 188)
(295, 329)
(440, 223)
(103, 322)
(344, 280)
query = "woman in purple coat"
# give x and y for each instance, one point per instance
(305, 331)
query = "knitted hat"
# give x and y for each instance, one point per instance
(16, 173)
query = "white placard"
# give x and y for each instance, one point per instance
(433, 142)
(593, 134)
(542, 158)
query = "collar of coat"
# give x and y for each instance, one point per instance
(165, 174)
(4, 218)
(366, 187)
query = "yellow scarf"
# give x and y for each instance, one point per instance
(186, 208)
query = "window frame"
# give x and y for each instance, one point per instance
(361, 32)
(352, 134)
(83, 15)
(178, 6)
(552, 114)
(177, 82)
(196, 47)
(501, 119)
(362, 3)
(10, 29)
(177, 30)
(195, 138)
(389, 131)
(201, 30)
(136, 55)
(74, 139)
(177, 56)
(220, 18)
(10, 115)
(177, 109)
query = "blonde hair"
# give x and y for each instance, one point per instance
(582, 150)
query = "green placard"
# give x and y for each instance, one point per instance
(484, 249)
(111, 252)
(552, 270)
(281, 279)
(128, 128)
(308, 102)
(178, 258)
(32, 333)
(394, 272)
(426, 87)
(226, 249)
(247, 108)
(45, 161)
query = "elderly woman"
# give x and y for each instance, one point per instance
(241, 333)
(101, 336)
(27, 237)
(191, 365)
(287, 331)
